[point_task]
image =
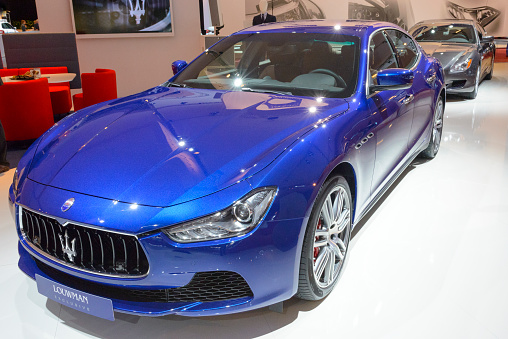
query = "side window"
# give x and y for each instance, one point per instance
(405, 47)
(381, 54)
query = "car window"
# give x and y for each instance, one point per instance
(381, 54)
(405, 48)
(299, 63)
(450, 33)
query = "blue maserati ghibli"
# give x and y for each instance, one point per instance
(236, 184)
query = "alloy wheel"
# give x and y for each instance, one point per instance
(331, 237)
(477, 82)
(438, 126)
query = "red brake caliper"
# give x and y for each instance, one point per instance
(316, 249)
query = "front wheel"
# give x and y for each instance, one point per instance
(437, 130)
(491, 73)
(474, 93)
(326, 240)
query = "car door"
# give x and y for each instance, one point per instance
(392, 111)
(409, 57)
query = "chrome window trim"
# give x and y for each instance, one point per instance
(417, 60)
(63, 263)
(367, 95)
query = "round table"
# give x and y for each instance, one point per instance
(52, 78)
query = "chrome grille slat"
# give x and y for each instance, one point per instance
(137, 257)
(94, 250)
(91, 251)
(81, 247)
(46, 241)
(113, 263)
(126, 253)
(38, 232)
(102, 253)
(59, 251)
(54, 238)
(32, 227)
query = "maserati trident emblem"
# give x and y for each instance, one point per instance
(70, 251)
(68, 204)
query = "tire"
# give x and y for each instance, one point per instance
(474, 93)
(491, 73)
(326, 242)
(437, 131)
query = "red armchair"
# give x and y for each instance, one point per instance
(7, 72)
(25, 109)
(97, 87)
(60, 92)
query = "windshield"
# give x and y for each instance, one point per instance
(7, 25)
(448, 33)
(304, 64)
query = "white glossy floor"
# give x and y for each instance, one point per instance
(430, 261)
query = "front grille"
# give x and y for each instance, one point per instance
(84, 248)
(204, 287)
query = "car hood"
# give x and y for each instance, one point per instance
(171, 145)
(447, 53)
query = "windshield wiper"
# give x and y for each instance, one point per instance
(211, 51)
(175, 84)
(246, 89)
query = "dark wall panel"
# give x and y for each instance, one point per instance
(42, 50)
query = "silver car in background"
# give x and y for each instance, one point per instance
(464, 50)
(6, 27)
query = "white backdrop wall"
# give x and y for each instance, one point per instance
(141, 62)
(144, 62)
(411, 11)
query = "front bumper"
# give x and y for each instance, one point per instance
(460, 82)
(267, 258)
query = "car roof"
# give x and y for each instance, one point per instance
(353, 27)
(445, 22)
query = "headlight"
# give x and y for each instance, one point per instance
(15, 181)
(238, 219)
(461, 66)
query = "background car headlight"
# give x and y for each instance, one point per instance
(15, 181)
(461, 66)
(238, 219)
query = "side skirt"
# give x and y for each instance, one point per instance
(383, 188)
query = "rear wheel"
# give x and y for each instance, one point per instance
(326, 240)
(437, 130)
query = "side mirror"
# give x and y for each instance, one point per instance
(393, 78)
(178, 65)
(487, 39)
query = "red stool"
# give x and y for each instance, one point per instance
(60, 99)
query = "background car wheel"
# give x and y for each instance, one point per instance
(489, 76)
(326, 240)
(474, 93)
(437, 130)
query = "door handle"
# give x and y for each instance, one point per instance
(408, 99)
(430, 79)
